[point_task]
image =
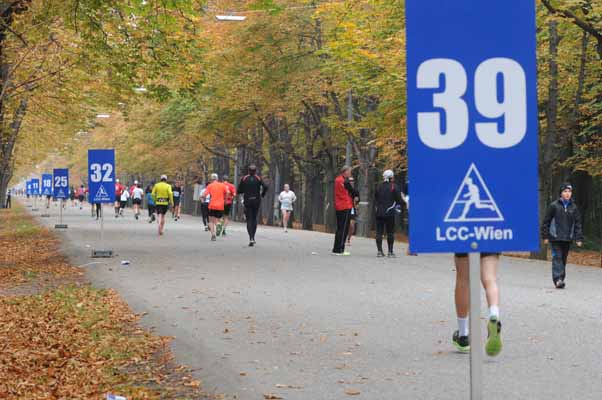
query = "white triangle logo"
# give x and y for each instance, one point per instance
(101, 194)
(61, 193)
(473, 202)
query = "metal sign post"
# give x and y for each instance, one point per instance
(28, 192)
(35, 188)
(472, 136)
(101, 178)
(46, 191)
(60, 225)
(476, 352)
(102, 228)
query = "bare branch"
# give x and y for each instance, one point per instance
(586, 26)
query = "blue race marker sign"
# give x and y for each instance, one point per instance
(46, 184)
(101, 175)
(60, 178)
(472, 125)
(35, 186)
(28, 190)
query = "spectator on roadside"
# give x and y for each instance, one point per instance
(387, 199)
(343, 203)
(561, 226)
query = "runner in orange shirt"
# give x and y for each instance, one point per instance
(218, 192)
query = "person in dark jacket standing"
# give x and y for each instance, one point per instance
(387, 200)
(252, 188)
(343, 203)
(561, 226)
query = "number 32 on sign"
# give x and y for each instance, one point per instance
(101, 175)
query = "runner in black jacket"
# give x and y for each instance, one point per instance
(252, 188)
(387, 199)
(561, 225)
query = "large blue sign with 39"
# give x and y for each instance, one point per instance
(472, 125)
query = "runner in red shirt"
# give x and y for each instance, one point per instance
(229, 201)
(119, 188)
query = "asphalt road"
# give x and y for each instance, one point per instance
(289, 319)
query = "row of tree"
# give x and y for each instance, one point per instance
(298, 88)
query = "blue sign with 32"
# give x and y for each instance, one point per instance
(101, 175)
(472, 125)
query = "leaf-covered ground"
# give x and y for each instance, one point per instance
(60, 338)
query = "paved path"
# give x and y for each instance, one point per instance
(288, 313)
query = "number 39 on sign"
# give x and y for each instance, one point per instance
(101, 175)
(472, 125)
(512, 107)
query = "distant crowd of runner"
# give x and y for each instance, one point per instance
(560, 227)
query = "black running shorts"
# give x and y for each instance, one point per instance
(216, 213)
(161, 209)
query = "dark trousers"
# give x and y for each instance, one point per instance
(97, 208)
(343, 220)
(388, 224)
(560, 252)
(205, 213)
(251, 214)
(8, 202)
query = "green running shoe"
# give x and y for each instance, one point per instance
(462, 343)
(493, 347)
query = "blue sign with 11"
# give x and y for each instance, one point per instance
(35, 186)
(472, 125)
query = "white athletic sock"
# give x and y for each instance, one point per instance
(494, 311)
(463, 326)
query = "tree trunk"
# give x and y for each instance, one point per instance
(7, 148)
(549, 150)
